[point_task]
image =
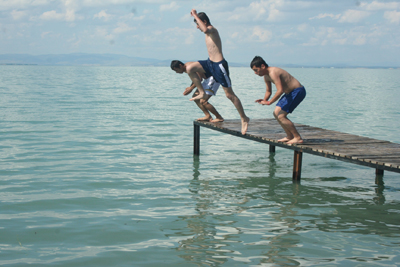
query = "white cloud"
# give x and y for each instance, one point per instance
(325, 15)
(268, 10)
(17, 15)
(52, 15)
(103, 33)
(44, 34)
(353, 16)
(69, 16)
(22, 4)
(392, 16)
(375, 5)
(172, 6)
(102, 15)
(261, 34)
(122, 27)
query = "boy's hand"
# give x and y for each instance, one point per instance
(263, 102)
(193, 12)
(187, 91)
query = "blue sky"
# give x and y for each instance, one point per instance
(305, 32)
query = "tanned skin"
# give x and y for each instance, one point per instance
(284, 83)
(214, 48)
(203, 103)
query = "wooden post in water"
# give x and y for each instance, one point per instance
(271, 149)
(378, 172)
(196, 140)
(298, 158)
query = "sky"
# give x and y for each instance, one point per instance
(301, 32)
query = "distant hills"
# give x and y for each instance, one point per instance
(79, 59)
(84, 59)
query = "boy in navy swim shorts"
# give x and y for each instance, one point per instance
(289, 88)
(215, 66)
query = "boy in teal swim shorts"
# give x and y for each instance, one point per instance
(291, 89)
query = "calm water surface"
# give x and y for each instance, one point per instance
(96, 169)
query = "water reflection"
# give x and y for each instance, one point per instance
(265, 219)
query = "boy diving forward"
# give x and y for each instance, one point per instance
(210, 86)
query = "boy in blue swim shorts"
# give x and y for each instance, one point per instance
(289, 88)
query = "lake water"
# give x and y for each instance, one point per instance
(97, 169)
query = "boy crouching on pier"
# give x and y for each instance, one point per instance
(291, 89)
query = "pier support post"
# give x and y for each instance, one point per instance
(298, 158)
(378, 172)
(196, 140)
(271, 149)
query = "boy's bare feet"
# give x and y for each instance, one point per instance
(295, 141)
(286, 139)
(206, 118)
(245, 125)
(217, 120)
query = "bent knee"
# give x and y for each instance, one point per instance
(203, 101)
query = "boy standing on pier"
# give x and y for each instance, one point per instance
(209, 85)
(291, 89)
(215, 66)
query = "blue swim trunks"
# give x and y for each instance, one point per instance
(289, 102)
(219, 70)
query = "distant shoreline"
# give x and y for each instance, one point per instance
(83, 59)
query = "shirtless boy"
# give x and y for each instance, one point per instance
(293, 93)
(215, 66)
(210, 86)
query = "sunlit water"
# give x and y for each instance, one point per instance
(97, 169)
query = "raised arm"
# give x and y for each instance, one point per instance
(201, 23)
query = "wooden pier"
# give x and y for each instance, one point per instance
(378, 154)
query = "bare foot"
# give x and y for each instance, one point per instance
(295, 141)
(198, 97)
(286, 139)
(217, 120)
(245, 125)
(206, 118)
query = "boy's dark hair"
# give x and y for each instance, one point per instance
(258, 61)
(203, 17)
(176, 64)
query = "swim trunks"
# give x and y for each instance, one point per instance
(210, 86)
(219, 70)
(289, 102)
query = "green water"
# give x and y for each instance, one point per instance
(97, 169)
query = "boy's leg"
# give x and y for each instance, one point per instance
(238, 105)
(292, 136)
(207, 114)
(192, 70)
(211, 108)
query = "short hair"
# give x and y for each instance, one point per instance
(176, 64)
(203, 17)
(258, 61)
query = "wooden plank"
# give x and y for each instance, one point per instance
(347, 147)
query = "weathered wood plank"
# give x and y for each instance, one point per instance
(379, 154)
